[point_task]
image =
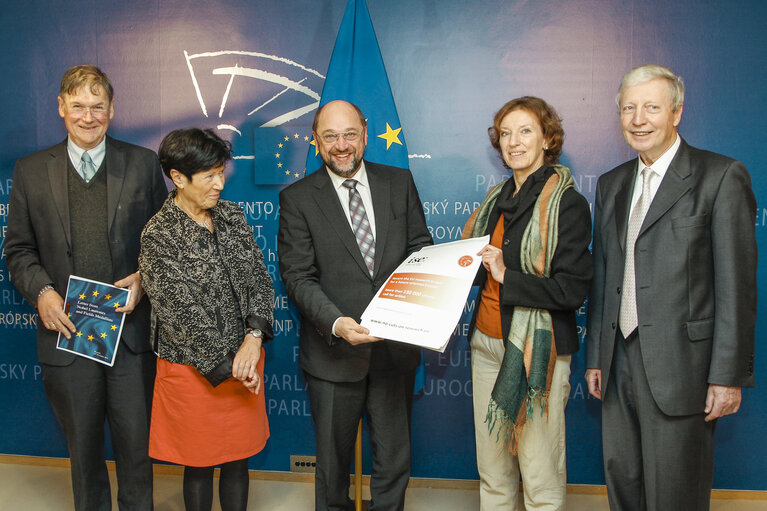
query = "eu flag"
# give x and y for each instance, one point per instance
(279, 154)
(357, 74)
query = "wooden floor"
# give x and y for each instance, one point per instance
(44, 484)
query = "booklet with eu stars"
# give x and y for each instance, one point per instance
(91, 305)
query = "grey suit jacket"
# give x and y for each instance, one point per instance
(38, 242)
(323, 270)
(695, 260)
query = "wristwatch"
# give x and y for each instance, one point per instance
(255, 332)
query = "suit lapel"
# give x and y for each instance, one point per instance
(57, 177)
(674, 185)
(625, 189)
(380, 191)
(327, 202)
(115, 159)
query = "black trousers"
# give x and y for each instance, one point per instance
(386, 394)
(83, 395)
(652, 461)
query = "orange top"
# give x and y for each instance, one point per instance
(489, 308)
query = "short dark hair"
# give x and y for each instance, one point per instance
(193, 150)
(550, 123)
(85, 75)
(320, 109)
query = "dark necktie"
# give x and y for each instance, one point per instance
(361, 225)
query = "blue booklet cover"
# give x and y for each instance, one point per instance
(91, 306)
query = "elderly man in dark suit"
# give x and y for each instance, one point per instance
(673, 302)
(343, 230)
(78, 208)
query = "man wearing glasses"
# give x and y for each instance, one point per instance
(78, 208)
(343, 231)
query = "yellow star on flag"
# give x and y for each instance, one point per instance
(69, 314)
(79, 334)
(117, 305)
(114, 327)
(287, 138)
(107, 297)
(287, 172)
(279, 145)
(95, 293)
(276, 155)
(103, 335)
(279, 165)
(81, 297)
(295, 135)
(316, 149)
(391, 136)
(90, 337)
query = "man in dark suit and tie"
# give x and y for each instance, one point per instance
(343, 230)
(78, 208)
(673, 303)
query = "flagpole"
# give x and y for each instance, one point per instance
(358, 468)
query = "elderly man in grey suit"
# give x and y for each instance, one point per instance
(78, 208)
(343, 230)
(673, 302)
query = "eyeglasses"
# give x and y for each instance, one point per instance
(332, 138)
(97, 111)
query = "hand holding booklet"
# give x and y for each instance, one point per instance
(91, 306)
(422, 301)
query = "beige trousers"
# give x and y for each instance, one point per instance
(541, 456)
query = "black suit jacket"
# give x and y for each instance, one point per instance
(38, 242)
(323, 270)
(695, 260)
(571, 267)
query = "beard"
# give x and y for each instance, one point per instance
(352, 167)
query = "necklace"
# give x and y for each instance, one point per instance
(206, 222)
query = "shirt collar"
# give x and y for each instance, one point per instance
(361, 177)
(661, 164)
(76, 152)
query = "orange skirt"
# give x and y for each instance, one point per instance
(198, 425)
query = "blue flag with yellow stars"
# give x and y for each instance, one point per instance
(279, 154)
(357, 74)
(90, 306)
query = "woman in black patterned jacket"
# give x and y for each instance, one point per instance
(212, 302)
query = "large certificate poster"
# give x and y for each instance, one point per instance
(422, 301)
(91, 306)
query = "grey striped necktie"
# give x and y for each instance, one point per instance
(361, 225)
(87, 167)
(628, 313)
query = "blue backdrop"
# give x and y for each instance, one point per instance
(242, 66)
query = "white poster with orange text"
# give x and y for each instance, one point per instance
(422, 301)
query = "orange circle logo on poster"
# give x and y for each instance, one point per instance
(465, 260)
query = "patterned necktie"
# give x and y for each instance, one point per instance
(361, 225)
(87, 167)
(628, 313)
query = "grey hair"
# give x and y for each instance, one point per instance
(647, 72)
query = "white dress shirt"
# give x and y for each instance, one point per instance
(659, 169)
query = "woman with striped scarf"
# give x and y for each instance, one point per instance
(536, 272)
